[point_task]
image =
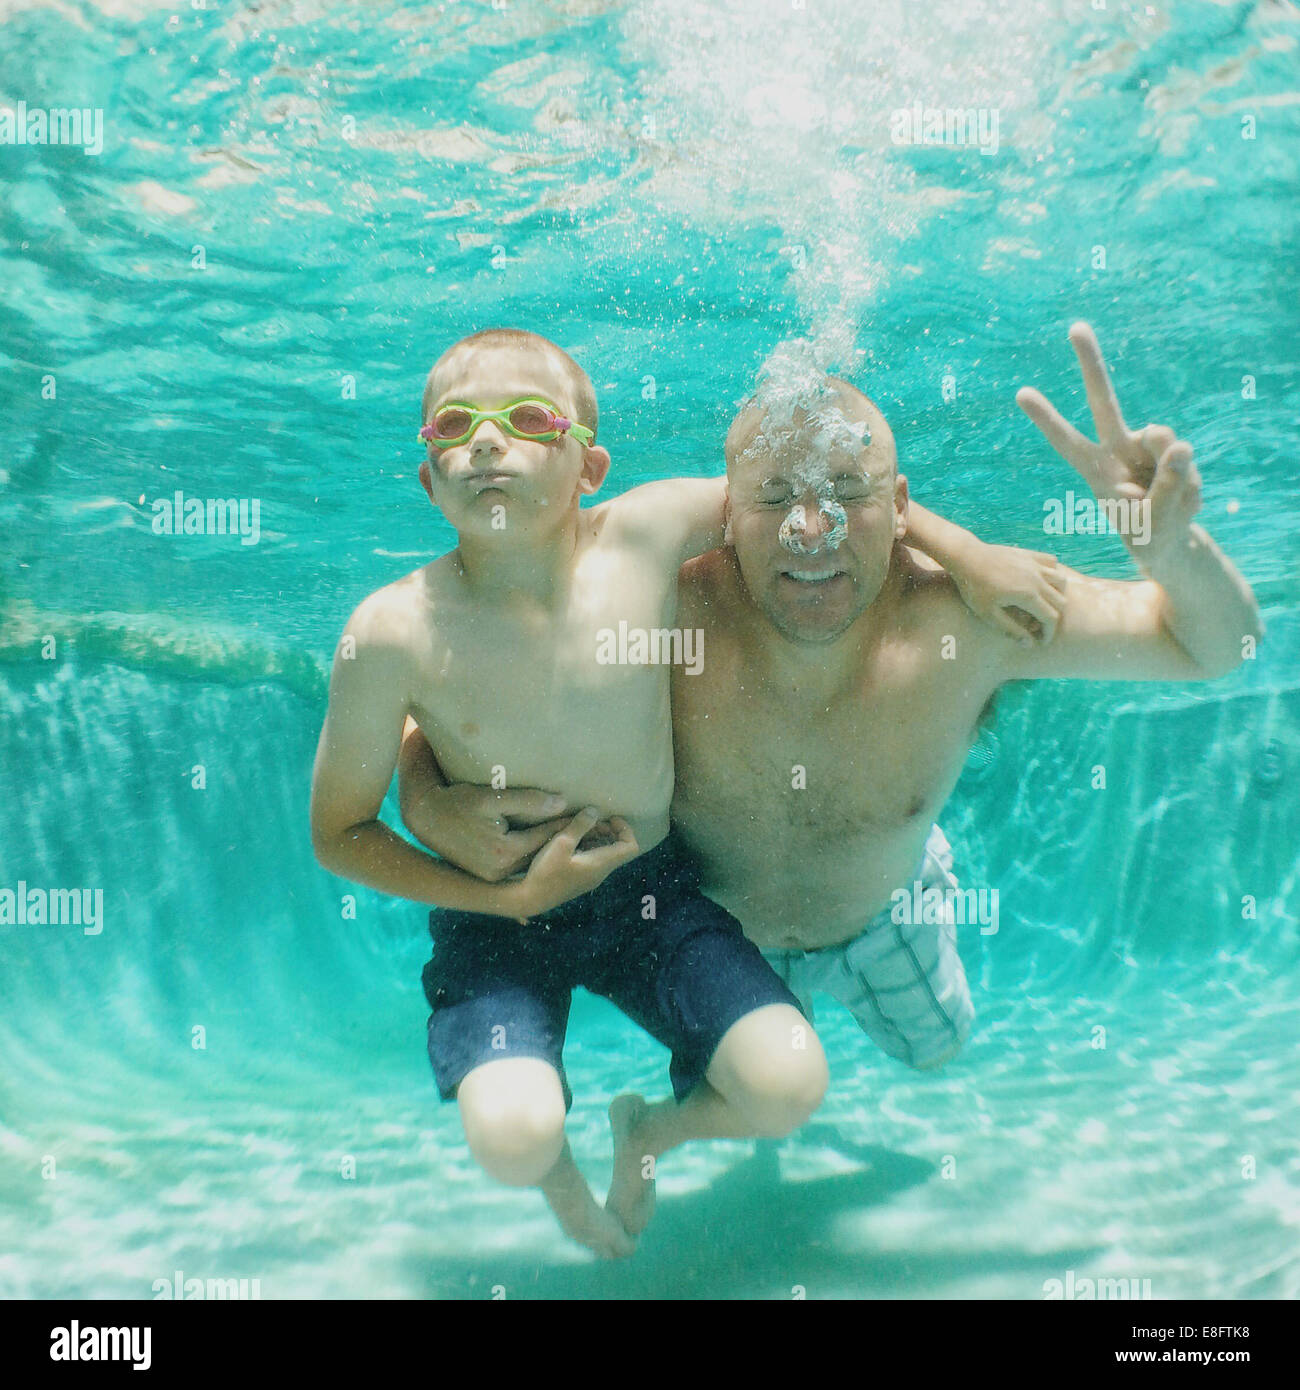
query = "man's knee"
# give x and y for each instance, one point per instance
(961, 1031)
(771, 1068)
(513, 1113)
(934, 1063)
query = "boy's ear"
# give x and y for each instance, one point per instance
(595, 465)
(426, 479)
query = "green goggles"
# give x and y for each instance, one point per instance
(529, 418)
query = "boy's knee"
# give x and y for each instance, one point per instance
(774, 1071)
(515, 1131)
(781, 1103)
(517, 1145)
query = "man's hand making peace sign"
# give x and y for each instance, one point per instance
(1195, 616)
(1151, 463)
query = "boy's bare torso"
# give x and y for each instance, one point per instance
(510, 691)
(804, 860)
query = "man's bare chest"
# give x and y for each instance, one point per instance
(876, 755)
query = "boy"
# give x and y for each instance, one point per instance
(492, 649)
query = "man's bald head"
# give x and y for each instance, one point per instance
(834, 414)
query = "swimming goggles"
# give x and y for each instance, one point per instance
(529, 418)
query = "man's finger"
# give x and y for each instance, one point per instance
(1096, 380)
(1044, 605)
(608, 857)
(1061, 435)
(1021, 633)
(527, 804)
(1036, 604)
(1048, 608)
(1174, 474)
(572, 833)
(531, 838)
(1155, 439)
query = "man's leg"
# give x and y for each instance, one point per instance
(513, 1113)
(905, 983)
(766, 1078)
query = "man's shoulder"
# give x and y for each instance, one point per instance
(925, 587)
(931, 603)
(705, 580)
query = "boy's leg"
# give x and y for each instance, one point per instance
(766, 1078)
(500, 1000)
(513, 1113)
(745, 1062)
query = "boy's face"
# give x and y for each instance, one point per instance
(494, 480)
(813, 521)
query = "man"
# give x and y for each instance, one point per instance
(843, 683)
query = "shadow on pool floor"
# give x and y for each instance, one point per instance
(751, 1234)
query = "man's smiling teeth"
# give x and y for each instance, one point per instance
(811, 576)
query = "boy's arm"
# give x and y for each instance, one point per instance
(1019, 591)
(678, 517)
(355, 760)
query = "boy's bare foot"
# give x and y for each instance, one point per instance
(631, 1197)
(578, 1212)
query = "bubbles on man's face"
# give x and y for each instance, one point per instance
(802, 420)
(834, 528)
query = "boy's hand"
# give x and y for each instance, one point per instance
(491, 834)
(562, 870)
(1021, 592)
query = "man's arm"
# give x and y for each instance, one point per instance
(355, 760)
(491, 834)
(1118, 630)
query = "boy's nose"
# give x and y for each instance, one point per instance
(488, 438)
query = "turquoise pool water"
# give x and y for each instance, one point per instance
(297, 205)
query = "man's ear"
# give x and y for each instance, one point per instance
(900, 507)
(726, 515)
(595, 465)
